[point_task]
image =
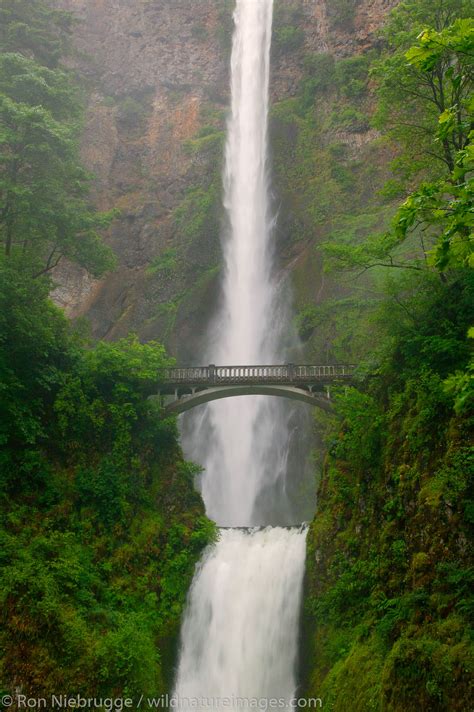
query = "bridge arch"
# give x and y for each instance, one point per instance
(187, 402)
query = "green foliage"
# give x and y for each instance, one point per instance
(197, 218)
(131, 113)
(313, 186)
(359, 444)
(288, 38)
(319, 76)
(444, 207)
(32, 357)
(348, 598)
(197, 213)
(424, 85)
(352, 75)
(425, 101)
(428, 670)
(461, 386)
(100, 524)
(209, 142)
(287, 13)
(342, 14)
(328, 190)
(44, 210)
(306, 321)
(164, 264)
(350, 119)
(387, 560)
(34, 29)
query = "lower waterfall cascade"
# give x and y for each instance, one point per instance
(240, 632)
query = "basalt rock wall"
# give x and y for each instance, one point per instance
(156, 77)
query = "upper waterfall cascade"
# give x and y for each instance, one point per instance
(242, 434)
(243, 444)
(240, 632)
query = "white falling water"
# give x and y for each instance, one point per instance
(239, 637)
(240, 633)
(246, 438)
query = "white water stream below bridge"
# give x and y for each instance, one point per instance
(240, 632)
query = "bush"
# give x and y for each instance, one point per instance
(350, 119)
(352, 75)
(287, 39)
(100, 524)
(342, 14)
(319, 77)
(131, 113)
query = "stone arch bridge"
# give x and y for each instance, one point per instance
(184, 388)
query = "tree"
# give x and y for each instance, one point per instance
(44, 208)
(412, 94)
(425, 107)
(444, 207)
(34, 29)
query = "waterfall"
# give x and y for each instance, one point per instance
(240, 632)
(243, 443)
(239, 636)
(232, 462)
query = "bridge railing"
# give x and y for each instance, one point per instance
(260, 374)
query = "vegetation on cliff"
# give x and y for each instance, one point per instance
(389, 580)
(45, 214)
(388, 612)
(346, 158)
(101, 526)
(100, 523)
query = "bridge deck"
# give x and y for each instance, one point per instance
(288, 374)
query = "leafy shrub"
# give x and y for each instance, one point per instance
(101, 526)
(164, 264)
(287, 39)
(350, 119)
(342, 14)
(131, 113)
(319, 76)
(352, 75)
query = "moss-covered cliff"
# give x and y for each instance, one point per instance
(100, 524)
(389, 600)
(388, 606)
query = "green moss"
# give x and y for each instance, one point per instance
(287, 38)
(352, 75)
(319, 75)
(165, 264)
(209, 142)
(197, 213)
(342, 14)
(422, 669)
(388, 595)
(354, 682)
(101, 526)
(132, 113)
(350, 119)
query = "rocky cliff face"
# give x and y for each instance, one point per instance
(157, 82)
